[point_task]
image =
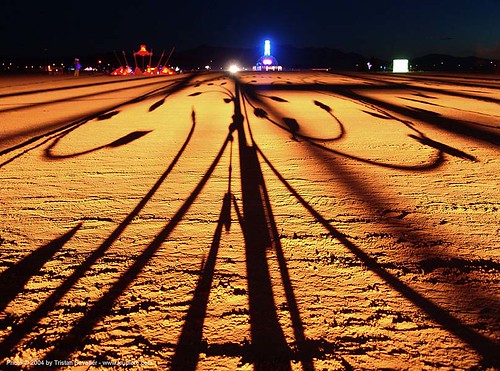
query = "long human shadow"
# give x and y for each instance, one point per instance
(358, 188)
(189, 345)
(268, 349)
(306, 349)
(72, 87)
(126, 139)
(190, 340)
(40, 140)
(61, 126)
(10, 342)
(484, 346)
(14, 278)
(461, 110)
(84, 326)
(460, 127)
(290, 124)
(250, 97)
(405, 79)
(422, 138)
(75, 97)
(60, 133)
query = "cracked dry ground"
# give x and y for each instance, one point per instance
(302, 220)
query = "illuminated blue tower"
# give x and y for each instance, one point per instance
(267, 61)
(267, 48)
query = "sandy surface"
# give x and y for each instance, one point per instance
(307, 221)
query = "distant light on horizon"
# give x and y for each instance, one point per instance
(233, 68)
(267, 62)
(267, 48)
(400, 66)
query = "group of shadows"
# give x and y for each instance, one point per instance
(267, 348)
(55, 131)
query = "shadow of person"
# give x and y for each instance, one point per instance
(484, 346)
(190, 343)
(126, 139)
(269, 350)
(76, 335)
(14, 278)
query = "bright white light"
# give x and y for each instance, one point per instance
(267, 47)
(400, 65)
(233, 68)
(267, 62)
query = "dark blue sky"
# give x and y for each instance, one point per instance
(384, 29)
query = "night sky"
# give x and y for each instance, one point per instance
(384, 29)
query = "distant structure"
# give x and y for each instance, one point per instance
(150, 69)
(267, 62)
(400, 66)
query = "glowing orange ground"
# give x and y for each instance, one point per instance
(283, 221)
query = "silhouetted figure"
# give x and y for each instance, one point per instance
(78, 66)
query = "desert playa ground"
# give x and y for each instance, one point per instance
(258, 221)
